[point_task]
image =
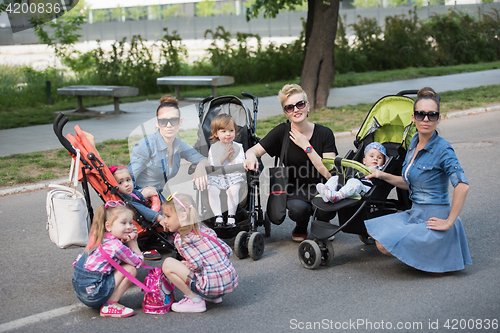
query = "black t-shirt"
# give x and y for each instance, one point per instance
(303, 176)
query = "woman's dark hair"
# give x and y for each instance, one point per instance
(168, 101)
(428, 93)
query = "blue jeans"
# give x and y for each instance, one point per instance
(92, 288)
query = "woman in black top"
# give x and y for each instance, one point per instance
(309, 144)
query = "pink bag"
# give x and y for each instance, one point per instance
(161, 296)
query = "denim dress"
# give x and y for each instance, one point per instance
(405, 235)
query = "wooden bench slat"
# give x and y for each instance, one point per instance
(213, 81)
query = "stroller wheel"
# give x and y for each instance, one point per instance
(309, 254)
(327, 254)
(256, 245)
(366, 239)
(240, 245)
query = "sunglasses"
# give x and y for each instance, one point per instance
(420, 115)
(162, 122)
(290, 107)
(172, 196)
(112, 203)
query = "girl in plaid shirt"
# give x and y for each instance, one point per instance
(97, 284)
(206, 273)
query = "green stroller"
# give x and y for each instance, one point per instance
(388, 122)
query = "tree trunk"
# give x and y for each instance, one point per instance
(317, 72)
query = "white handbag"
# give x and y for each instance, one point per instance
(68, 220)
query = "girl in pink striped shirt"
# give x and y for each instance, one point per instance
(97, 284)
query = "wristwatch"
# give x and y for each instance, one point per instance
(308, 149)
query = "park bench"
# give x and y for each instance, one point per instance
(114, 91)
(213, 81)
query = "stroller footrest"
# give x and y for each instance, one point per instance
(323, 230)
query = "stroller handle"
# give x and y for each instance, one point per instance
(255, 100)
(58, 126)
(407, 92)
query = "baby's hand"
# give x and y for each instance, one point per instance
(132, 236)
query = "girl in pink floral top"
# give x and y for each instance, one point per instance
(97, 284)
(206, 273)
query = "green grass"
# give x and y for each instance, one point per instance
(44, 114)
(354, 79)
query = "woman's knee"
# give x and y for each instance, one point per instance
(299, 210)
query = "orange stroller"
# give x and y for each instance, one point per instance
(94, 171)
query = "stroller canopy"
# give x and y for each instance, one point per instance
(235, 108)
(390, 121)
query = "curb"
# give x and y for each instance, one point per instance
(455, 114)
(32, 187)
(38, 186)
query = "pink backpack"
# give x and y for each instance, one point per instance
(161, 297)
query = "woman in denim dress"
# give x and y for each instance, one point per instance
(429, 236)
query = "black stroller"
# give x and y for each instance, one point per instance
(388, 122)
(249, 215)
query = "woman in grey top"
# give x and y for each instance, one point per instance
(156, 158)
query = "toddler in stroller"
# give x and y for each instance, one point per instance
(224, 151)
(243, 206)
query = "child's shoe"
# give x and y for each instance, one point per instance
(324, 191)
(219, 221)
(335, 196)
(188, 305)
(116, 310)
(231, 221)
(327, 194)
(151, 255)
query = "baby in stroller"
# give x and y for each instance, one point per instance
(224, 151)
(375, 155)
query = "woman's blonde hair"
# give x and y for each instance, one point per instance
(173, 206)
(221, 121)
(168, 101)
(290, 90)
(427, 93)
(98, 229)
